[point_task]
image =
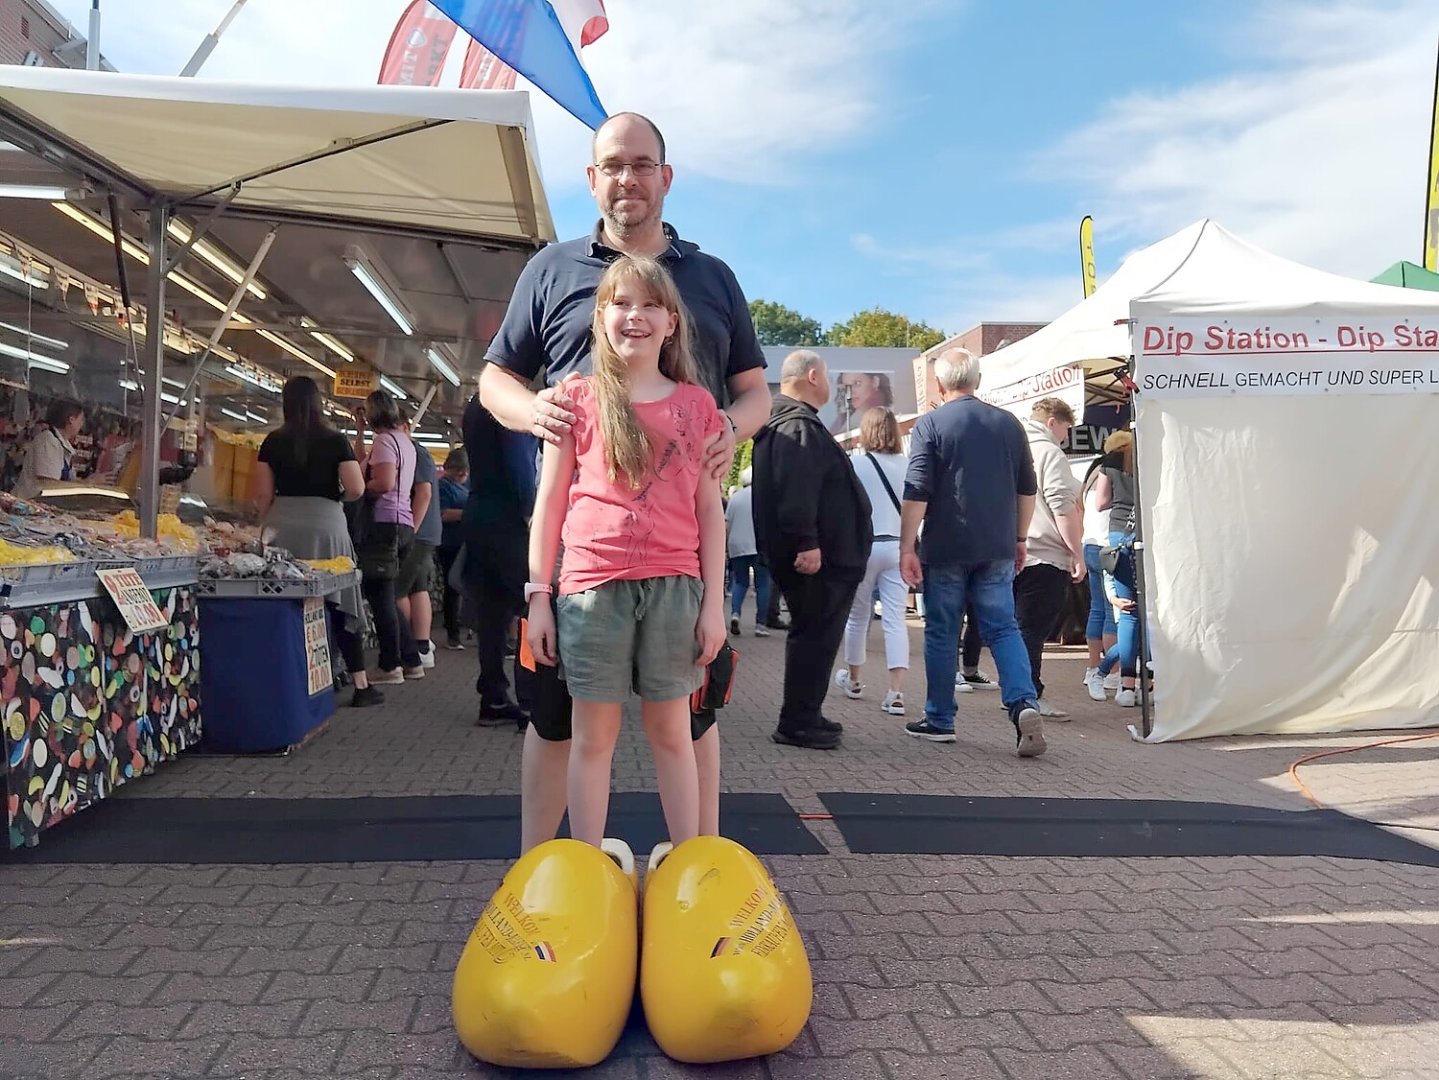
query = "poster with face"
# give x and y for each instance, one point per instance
(855, 392)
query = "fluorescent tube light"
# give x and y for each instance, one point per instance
(254, 378)
(130, 384)
(173, 382)
(46, 363)
(329, 341)
(12, 267)
(233, 415)
(140, 255)
(388, 384)
(31, 191)
(172, 399)
(212, 255)
(366, 274)
(257, 417)
(439, 362)
(39, 339)
(295, 351)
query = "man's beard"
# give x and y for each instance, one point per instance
(631, 221)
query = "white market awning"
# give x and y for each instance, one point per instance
(460, 163)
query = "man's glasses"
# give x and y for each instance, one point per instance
(616, 169)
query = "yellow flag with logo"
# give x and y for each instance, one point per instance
(1086, 253)
(1431, 202)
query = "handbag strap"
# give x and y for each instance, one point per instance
(884, 480)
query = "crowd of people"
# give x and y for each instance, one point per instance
(586, 502)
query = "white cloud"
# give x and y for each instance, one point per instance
(744, 90)
(1317, 152)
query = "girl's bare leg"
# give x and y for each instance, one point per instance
(667, 726)
(596, 730)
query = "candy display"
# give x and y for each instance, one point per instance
(89, 706)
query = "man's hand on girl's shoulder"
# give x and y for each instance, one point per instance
(552, 417)
(719, 451)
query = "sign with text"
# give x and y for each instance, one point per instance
(1197, 357)
(132, 596)
(356, 381)
(317, 646)
(1065, 383)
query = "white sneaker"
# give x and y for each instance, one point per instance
(979, 681)
(1111, 681)
(1094, 683)
(427, 659)
(1087, 673)
(1126, 699)
(960, 686)
(1050, 711)
(893, 703)
(761, 630)
(852, 690)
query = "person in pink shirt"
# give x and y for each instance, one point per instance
(641, 585)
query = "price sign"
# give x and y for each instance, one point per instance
(317, 646)
(132, 596)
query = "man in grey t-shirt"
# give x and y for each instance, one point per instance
(412, 585)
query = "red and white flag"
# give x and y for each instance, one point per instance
(418, 48)
(484, 70)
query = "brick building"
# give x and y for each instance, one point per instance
(34, 33)
(981, 340)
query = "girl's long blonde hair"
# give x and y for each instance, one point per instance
(628, 452)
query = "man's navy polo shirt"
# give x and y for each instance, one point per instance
(969, 461)
(548, 323)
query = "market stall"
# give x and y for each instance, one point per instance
(1285, 449)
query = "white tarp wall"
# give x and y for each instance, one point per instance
(1289, 491)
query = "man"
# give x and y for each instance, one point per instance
(1054, 555)
(814, 531)
(744, 557)
(547, 327)
(494, 529)
(412, 585)
(454, 494)
(971, 483)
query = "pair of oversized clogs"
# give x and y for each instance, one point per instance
(547, 978)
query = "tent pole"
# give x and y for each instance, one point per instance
(151, 432)
(1146, 706)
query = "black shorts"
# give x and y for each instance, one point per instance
(551, 708)
(416, 567)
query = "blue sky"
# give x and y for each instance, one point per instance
(935, 156)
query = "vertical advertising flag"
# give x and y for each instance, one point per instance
(540, 39)
(484, 70)
(1086, 254)
(1431, 202)
(418, 47)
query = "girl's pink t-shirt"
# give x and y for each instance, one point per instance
(617, 533)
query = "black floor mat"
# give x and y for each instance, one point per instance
(409, 829)
(1105, 828)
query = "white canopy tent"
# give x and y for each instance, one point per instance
(416, 163)
(1076, 356)
(1287, 466)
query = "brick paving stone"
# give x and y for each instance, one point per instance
(49, 1060)
(223, 1018)
(969, 1064)
(129, 1055)
(315, 1054)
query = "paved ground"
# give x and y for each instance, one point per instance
(927, 966)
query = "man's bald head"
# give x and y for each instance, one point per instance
(628, 119)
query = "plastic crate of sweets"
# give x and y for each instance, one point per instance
(247, 588)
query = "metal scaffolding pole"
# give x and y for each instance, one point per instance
(151, 431)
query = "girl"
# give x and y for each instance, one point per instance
(641, 585)
(1115, 492)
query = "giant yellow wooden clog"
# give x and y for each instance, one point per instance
(547, 978)
(723, 972)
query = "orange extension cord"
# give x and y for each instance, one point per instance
(1304, 788)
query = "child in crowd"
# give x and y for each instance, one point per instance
(641, 586)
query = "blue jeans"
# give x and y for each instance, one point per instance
(1101, 611)
(739, 571)
(989, 589)
(1124, 652)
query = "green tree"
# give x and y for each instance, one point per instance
(778, 325)
(743, 455)
(877, 328)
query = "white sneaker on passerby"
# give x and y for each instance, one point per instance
(427, 658)
(893, 703)
(761, 630)
(1087, 673)
(961, 686)
(1111, 681)
(1126, 699)
(1051, 712)
(851, 688)
(978, 681)
(1094, 683)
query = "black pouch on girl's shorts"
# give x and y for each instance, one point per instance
(718, 685)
